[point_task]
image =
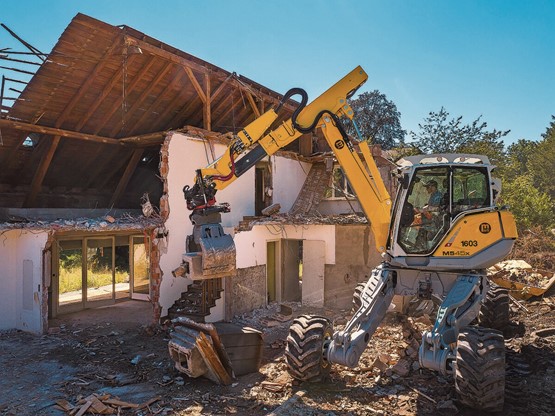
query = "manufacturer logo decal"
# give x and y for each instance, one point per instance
(485, 228)
(339, 144)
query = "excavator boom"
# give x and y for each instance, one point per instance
(254, 142)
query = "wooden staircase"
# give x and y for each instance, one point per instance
(197, 301)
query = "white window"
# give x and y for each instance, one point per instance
(339, 186)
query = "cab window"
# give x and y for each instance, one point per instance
(435, 196)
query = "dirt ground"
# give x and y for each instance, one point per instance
(114, 351)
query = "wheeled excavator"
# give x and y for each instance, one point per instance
(430, 249)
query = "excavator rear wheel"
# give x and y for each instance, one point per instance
(495, 311)
(480, 368)
(307, 343)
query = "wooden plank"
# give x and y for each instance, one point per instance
(156, 102)
(212, 360)
(221, 74)
(161, 74)
(131, 166)
(85, 86)
(52, 131)
(40, 173)
(117, 104)
(116, 78)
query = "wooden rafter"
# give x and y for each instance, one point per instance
(196, 84)
(154, 83)
(117, 104)
(252, 103)
(42, 169)
(116, 78)
(122, 184)
(220, 75)
(35, 128)
(156, 102)
(40, 173)
(207, 111)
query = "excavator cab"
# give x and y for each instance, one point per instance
(446, 209)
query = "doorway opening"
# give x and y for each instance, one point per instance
(291, 270)
(95, 271)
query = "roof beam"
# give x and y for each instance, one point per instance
(207, 110)
(252, 103)
(124, 181)
(35, 128)
(40, 173)
(196, 84)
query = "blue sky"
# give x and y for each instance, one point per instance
(489, 58)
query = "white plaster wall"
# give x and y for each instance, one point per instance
(186, 155)
(251, 245)
(20, 305)
(288, 179)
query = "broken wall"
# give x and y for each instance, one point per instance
(288, 178)
(21, 280)
(186, 154)
(355, 257)
(248, 289)
(252, 258)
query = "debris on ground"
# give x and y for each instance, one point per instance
(94, 358)
(521, 279)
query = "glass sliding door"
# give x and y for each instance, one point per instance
(70, 273)
(100, 271)
(140, 268)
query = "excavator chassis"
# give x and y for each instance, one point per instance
(462, 296)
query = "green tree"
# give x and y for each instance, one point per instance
(541, 164)
(529, 205)
(518, 155)
(378, 120)
(441, 134)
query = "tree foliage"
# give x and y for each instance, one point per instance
(542, 163)
(525, 167)
(530, 206)
(441, 134)
(378, 120)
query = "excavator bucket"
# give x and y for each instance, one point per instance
(218, 255)
(213, 254)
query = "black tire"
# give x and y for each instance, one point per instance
(480, 369)
(357, 301)
(305, 351)
(495, 310)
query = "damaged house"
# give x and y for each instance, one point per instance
(95, 152)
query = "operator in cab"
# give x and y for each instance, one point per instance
(434, 200)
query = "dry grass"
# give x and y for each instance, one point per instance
(537, 247)
(71, 280)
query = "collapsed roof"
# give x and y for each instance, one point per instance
(86, 130)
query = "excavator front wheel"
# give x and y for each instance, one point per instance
(480, 368)
(306, 350)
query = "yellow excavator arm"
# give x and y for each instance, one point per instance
(254, 142)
